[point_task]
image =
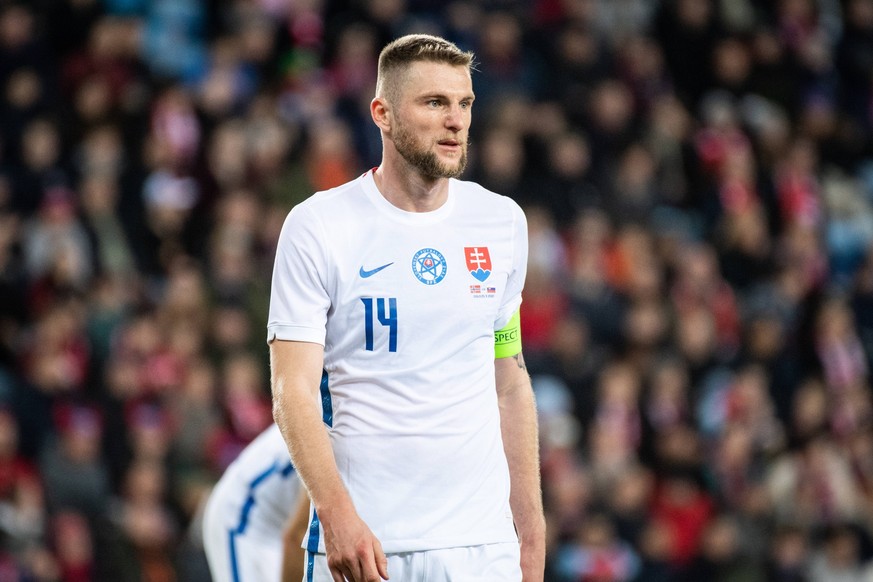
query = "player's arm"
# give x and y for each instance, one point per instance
(352, 549)
(295, 529)
(518, 425)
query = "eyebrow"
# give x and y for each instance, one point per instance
(425, 97)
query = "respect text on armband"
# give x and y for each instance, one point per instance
(506, 336)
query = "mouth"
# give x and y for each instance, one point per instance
(451, 144)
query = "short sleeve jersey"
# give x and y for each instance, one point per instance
(406, 305)
(258, 491)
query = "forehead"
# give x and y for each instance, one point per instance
(429, 78)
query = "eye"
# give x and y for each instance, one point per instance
(433, 103)
(466, 104)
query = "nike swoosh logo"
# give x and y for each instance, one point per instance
(364, 274)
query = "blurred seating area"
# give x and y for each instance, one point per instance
(698, 315)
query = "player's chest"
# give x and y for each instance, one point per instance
(430, 271)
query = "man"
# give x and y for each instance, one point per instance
(386, 295)
(256, 516)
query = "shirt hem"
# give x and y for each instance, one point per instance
(423, 545)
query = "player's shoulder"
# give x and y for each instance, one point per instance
(479, 198)
(267, 449)
(324, 210)
(332, 200)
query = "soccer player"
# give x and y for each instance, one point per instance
(397, 374)
(256, 516)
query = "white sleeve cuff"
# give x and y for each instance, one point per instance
(295, 333)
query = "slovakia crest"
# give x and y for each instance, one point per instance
(478, 262)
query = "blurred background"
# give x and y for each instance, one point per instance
(698, 316)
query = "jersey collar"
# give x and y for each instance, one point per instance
(385, 207)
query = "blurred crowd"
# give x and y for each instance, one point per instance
(698, 316)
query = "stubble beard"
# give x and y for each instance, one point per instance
(423, 160)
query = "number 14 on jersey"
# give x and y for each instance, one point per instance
(386, 313)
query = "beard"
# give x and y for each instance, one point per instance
(424, 160)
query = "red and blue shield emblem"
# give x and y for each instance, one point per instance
(478, 262)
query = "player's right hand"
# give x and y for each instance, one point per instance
(353, 552)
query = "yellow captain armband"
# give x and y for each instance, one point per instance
(507, 341)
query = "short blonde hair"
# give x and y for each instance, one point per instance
(400, 53)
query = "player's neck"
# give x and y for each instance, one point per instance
(410, 191)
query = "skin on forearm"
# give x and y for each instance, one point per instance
(351, 548)
(295, 379)
(518, 424)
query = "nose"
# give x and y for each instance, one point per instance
(455, 118)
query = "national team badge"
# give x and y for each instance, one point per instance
(478, 262)
(429, 266)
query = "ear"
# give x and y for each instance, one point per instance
(380, 111)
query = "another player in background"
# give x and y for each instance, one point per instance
(397, 374)
(256, 516)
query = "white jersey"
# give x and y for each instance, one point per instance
(406, 305)
(247, 511)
